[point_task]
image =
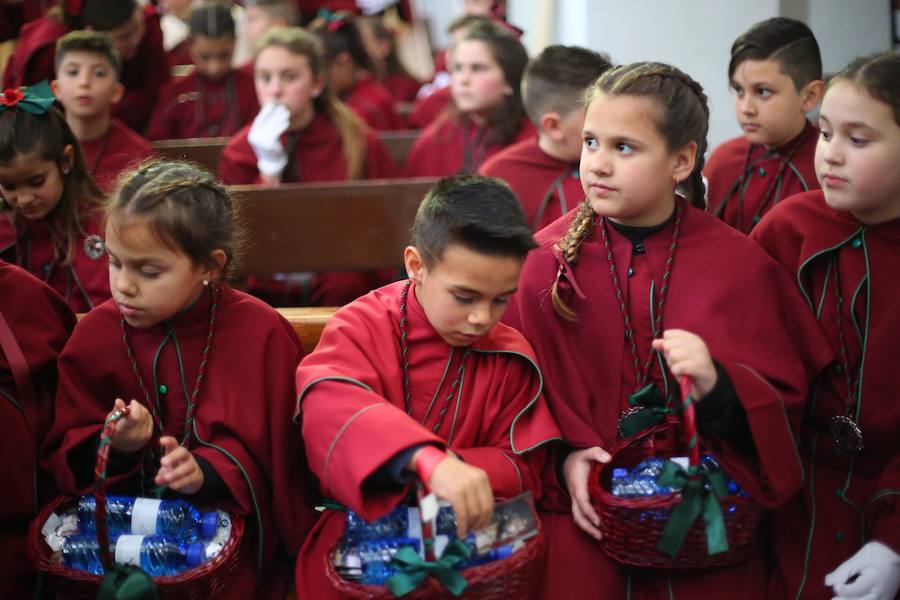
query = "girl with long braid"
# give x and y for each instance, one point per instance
(637, 288)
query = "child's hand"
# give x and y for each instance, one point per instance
(468, 489)
(687, 354)
(577, 468)
(178, 469)
(134, 431)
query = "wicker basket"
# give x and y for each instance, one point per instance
(632, 527)
(205, 581)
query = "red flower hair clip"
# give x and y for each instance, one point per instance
(11, 97)
(36, 99)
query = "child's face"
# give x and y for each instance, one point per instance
(128, 36)
(33, 186)
(286, 78)
(86, 85)
(256, 22)
(768, 106)
(150, 282)
(627, 171)
(856, 157)
(464, 293)
(477, 82)
(212, 56)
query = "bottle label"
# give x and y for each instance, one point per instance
(143, 516)
(128, 550)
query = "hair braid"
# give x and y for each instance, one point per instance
(570, 244)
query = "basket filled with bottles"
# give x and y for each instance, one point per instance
(665, 502)
(95, 542)
(415, 553)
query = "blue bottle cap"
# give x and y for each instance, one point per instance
(196, 555)
(502, 552)
(620, 472)
(209, 524)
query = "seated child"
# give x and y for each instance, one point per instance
(543, 171)
(389, 71)
(214, 99)
(53, 224)
(87, 85)
(134, 32)
(206, 371)
(488, 114)
(450, 387)
(259, 17)
(776, 74)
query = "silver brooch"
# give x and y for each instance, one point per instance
(94, 247)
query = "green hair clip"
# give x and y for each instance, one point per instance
(35, 99)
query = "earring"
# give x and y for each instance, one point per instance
(206, 282)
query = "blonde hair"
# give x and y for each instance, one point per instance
(351, 128)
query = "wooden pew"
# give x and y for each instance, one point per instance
(308, 322)
(356, 225)
(207, 151)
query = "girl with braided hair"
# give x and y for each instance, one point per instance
(638, 287)
(208, 371)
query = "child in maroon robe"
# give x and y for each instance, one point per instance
(208, 370)
(368, 433)
(350, 70)
(637, 288)
(214, 99)
(37, 324)
(842, 243)
(87, 85)
(388, 69)
(487, 71)
(53, 225)
(776, 75)
(543, 171)
(135, 33)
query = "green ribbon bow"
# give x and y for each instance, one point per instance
(412, 570)
(695, 500)
(36, 99)
(650, 409)
(124, 582)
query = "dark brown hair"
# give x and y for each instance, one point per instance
(878, 74)
(46, 136)
(339, 33)
(183, 205)
(93, 42)
(557, 78)
(789, 42)
(682, 117)
(212, 20)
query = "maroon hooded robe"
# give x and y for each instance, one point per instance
(847, 499)
(547, 187)
(194, 107)
(746, 180)
(84, 283)
(374, 104)
(354, 421)
(722, 288)
(41, 323)
(242, 424)
(426, 110)
(113, 153)
(454, 145)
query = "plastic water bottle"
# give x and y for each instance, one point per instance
(158, 555)
(147, 516)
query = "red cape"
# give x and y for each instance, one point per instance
(242, 422)
(547, 187)
(722, 288)
(194, 107)
(83, 284)
(374, 104)
(318, 156)
(726, 165)
(108, 156)
(426, 110)
(41, 323)
(352, 404)
(820, 528)
(439, 150)
(402, 87)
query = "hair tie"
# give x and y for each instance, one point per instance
(36, 99)
(333, 21)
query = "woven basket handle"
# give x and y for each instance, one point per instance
(689, 420)
(109, 428)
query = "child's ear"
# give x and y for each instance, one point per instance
(54, 85)
(812, 94)
(68, 159)
(318, 86)
(118, 92)
(414, 264)
(685, 159)
(220, 259)
(550, 125)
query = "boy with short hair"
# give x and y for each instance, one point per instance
(88, 87)
(135, 34)
(543, 171)
(214, 99)
(776, 74)
(418, 381)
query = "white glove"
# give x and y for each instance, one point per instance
(265, 138)
(370, 7)
(877, 571)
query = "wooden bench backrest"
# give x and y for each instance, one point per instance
(308, 323)
(356, 225)
(208, 151)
